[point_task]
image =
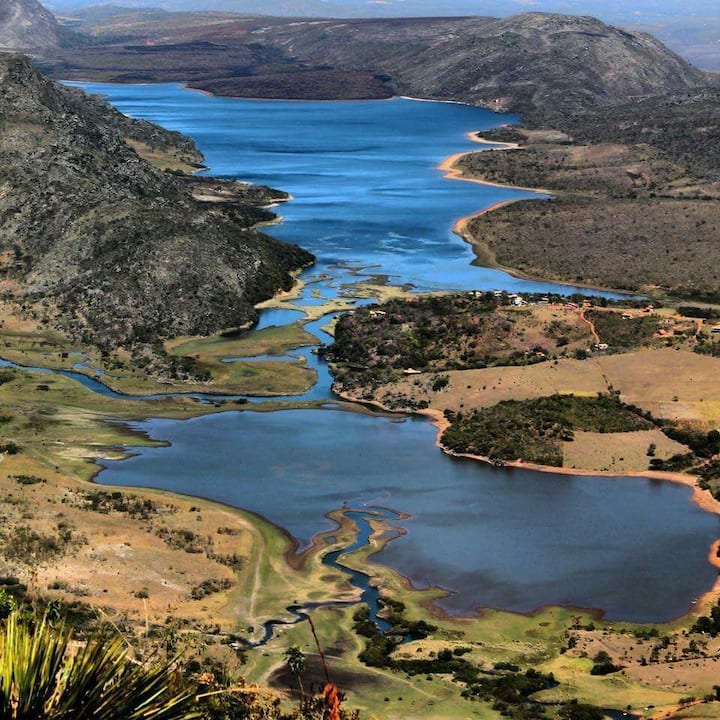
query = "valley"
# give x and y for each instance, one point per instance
(455, 443)
(264, 558)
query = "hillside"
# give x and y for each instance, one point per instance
(108, 248)
(534, 62)
(27, 25)
(530, 61)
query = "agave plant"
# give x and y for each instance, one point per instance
(44, 677)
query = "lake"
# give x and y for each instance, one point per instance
(369, 201)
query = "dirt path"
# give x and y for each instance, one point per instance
(589, 322)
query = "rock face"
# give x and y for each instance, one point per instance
(122, 250)
(27, 25)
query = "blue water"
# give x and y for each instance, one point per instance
(368, 201)
(363, 176)
(501, 538)
(369, 593)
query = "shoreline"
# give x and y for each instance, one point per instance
(460, 227)
(702, 498)
(452, 172)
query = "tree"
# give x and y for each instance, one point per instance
(40, 679)
(295, 660)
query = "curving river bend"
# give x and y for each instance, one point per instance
(368, 201)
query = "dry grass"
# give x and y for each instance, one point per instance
(468, 389)
(162, 160)
(651, 379)
(689, 673)
(670, 383)
(122, 557)
(617, 452)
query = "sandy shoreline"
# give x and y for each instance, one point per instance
(452, 172)
(702, 498)
(460, 228)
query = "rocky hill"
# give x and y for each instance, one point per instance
(27, 25)
(121, 251)
(530, 63)
(533, 61)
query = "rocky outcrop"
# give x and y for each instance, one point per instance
(27, 25)
(122, 250)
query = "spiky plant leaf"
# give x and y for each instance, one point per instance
(41, 678)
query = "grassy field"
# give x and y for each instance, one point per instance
(24, 341)
(219, 571)
(150, 560)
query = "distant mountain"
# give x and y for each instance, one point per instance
(534, 62)
(690, 27)
(531, 63)
(615, 9)
(118, 252)
(27, 25)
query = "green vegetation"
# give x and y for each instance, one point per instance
(580, 711)
(710, 625)
(703, 444)
(509, 693)
(702, 459)
(603, 664)
(107, 501)
(533, 429)
(209, 587)
(625, 333)
(708, 347)
(450, 332)
(692, 311)
(41, 680)
(25, 544)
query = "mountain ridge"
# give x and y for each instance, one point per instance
(28, 25)
(115, 251)
(529, 63)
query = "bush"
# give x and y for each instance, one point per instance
(533, 429)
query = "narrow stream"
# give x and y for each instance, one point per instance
(321, 389)
(370, 594)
